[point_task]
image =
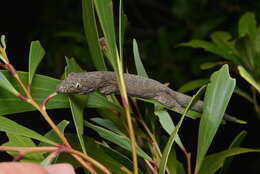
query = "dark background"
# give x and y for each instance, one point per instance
(158, 26)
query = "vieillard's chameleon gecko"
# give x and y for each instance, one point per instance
(105, 82)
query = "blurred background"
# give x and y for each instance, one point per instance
(159, 27)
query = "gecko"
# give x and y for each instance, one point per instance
(105, 82)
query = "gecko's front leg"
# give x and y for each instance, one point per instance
(108, 88)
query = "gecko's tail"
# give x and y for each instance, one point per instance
(183, 100)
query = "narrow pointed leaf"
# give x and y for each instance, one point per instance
(172, 138)
(213, 162)
(247, 25)
(122, 141)
(122, 26)
(9, 126)
(42, 87)
(104, 11)
(191, 85)
(167, 123)
(77, 104)
(52, 135)
(138, 63)
(35, 56)
(216, 99)
(108, 124)
(235, 143)
(191, 114)
(248, 77)
(21, 141)
(174, 166)
(5, 84)
(113, 160)
(91, 33)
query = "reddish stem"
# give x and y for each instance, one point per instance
(11, 69)
(18, 157)
(45, 101)
(21, 97)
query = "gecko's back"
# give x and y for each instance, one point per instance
(139, 86)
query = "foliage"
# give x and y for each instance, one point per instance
(243, 51)
(129, 137)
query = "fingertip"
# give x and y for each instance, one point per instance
(62, 168)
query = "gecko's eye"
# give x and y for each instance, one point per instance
(77, 85)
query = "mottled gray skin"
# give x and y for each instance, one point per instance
(105, 82)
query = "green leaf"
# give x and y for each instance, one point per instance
(107, 156)
(191, 114)
(42, 87)
(20, 141)
(96, 100)
(122, 141)
(104, 11)
(245, 48)
(172, 138)
(215, 161)
(174, 166)
(247, 25)
(35, 57)
(91, 33)
(113, 116)
(247, 76)
(209, 65)
(107, 124)
(122, 26)
(217, 96)
(191, 85)
(9, 126)
(225, 47)
(5, 84)
(77, 104)
(138, 62)
(208, 46)
(167, 123)
(220, 37)
(219, 47)
(257, 42)
(52, 135)
(235, 143)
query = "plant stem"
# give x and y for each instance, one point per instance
(51, 123)
(91, 160)
(123, 92)
(79, 156)
(188, 158)
(85, 164)
(28, 150)
(157, 148)
(36, 105)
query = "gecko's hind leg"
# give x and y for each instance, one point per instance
(168, 101)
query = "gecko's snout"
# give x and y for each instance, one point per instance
(60, 88)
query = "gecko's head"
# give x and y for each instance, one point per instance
(74, 84)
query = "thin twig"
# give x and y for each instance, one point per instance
(85, 164)
(28, 150)
(89, 159)
(125, 102)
